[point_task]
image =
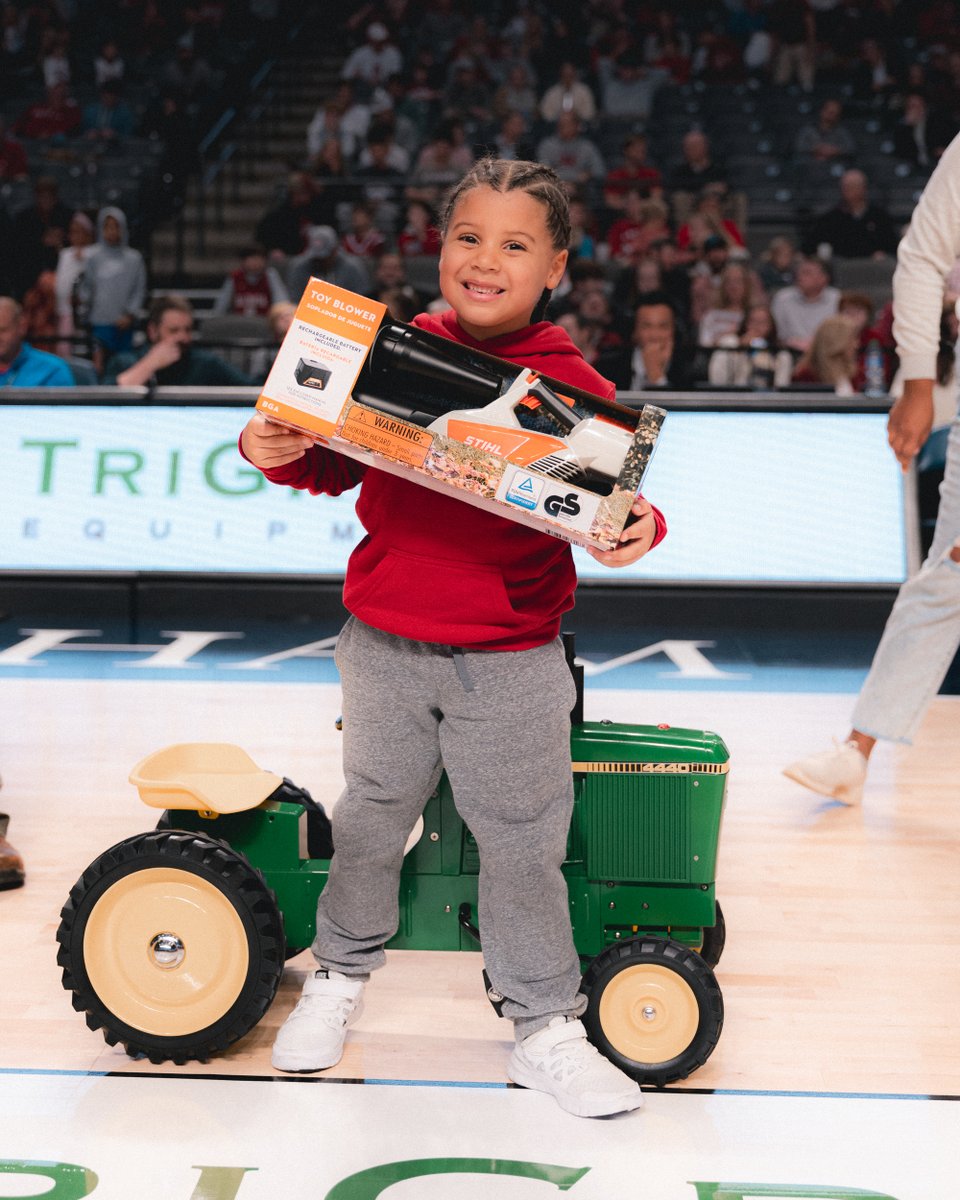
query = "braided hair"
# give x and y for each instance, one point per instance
(507, 175)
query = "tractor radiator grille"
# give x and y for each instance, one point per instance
(637, 837)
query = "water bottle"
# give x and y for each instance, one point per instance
(761, 365)
(875, 380)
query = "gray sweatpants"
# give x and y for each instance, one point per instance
(499, 724)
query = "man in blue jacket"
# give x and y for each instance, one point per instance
(21, 365)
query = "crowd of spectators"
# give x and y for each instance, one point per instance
(430, 86)
(102, 108)
(667, 281)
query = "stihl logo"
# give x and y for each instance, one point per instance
(562, 506)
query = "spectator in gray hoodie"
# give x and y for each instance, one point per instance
(114, 287)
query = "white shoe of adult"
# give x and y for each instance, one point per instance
(839, 773)
(312, 1037)
(560, 1061)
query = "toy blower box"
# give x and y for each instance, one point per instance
(454, 419)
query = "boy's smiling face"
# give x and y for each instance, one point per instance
(497, 258)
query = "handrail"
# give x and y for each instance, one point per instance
(792, 400)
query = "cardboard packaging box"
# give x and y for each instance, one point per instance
(498, 436)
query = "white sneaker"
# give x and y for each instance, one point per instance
(312, 1037)
(559, 1060)
(839, 773)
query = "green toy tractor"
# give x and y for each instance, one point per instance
(173, 942)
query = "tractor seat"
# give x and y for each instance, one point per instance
(205, 776)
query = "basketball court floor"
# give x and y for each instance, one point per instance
(837, 1074)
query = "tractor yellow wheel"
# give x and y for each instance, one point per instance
(172, 944)
(165, 951)
(649, 1013)
(653, 1007)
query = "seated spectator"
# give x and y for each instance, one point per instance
(55, 58)
(383, 166)
(325, 259)
(628, 85)
(595, 307)
(402, 303)
(827, 139)
(419, 234)
(363, 239)
(799, 310)
(856, 227)
(516, 94)
(656, 356)
(40, 310)
(439, 165)
(279, 319)
(751, 356)
(114, 286)
(574, 157)
(697, 167)
(282, 229)
(376, 60)
(109, 65)
(708, 220)
(21, 365)
(512, 139)
(568, 95)
(674, 61)
(643, 223)
(792, 24)
(109, 117)
(37, 234)
(658, 271)
(170, 358)
(355, 118)
(324, 127)
(858, 308)
(252, 289)
(333, 185)
(734, 297)
(717, 59)
(468, 97)
(921, 135)
(831, 357)
(583, 230)
(778, 263)
(13, 157)
(390, 275)
(873, 79)
(584, 334)
(632, 171)
(52, 119)
(72, 262)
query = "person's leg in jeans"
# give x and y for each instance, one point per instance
(919, 641)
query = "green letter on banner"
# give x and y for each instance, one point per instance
(219, 1183)
(784, 1191)
(368, 1185)
(70, 1182)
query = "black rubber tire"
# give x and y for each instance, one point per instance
(696, 975)
(714, 940)
(244, 889)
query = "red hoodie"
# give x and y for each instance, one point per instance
(435, 569)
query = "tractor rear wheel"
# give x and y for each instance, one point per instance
(172, 944)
